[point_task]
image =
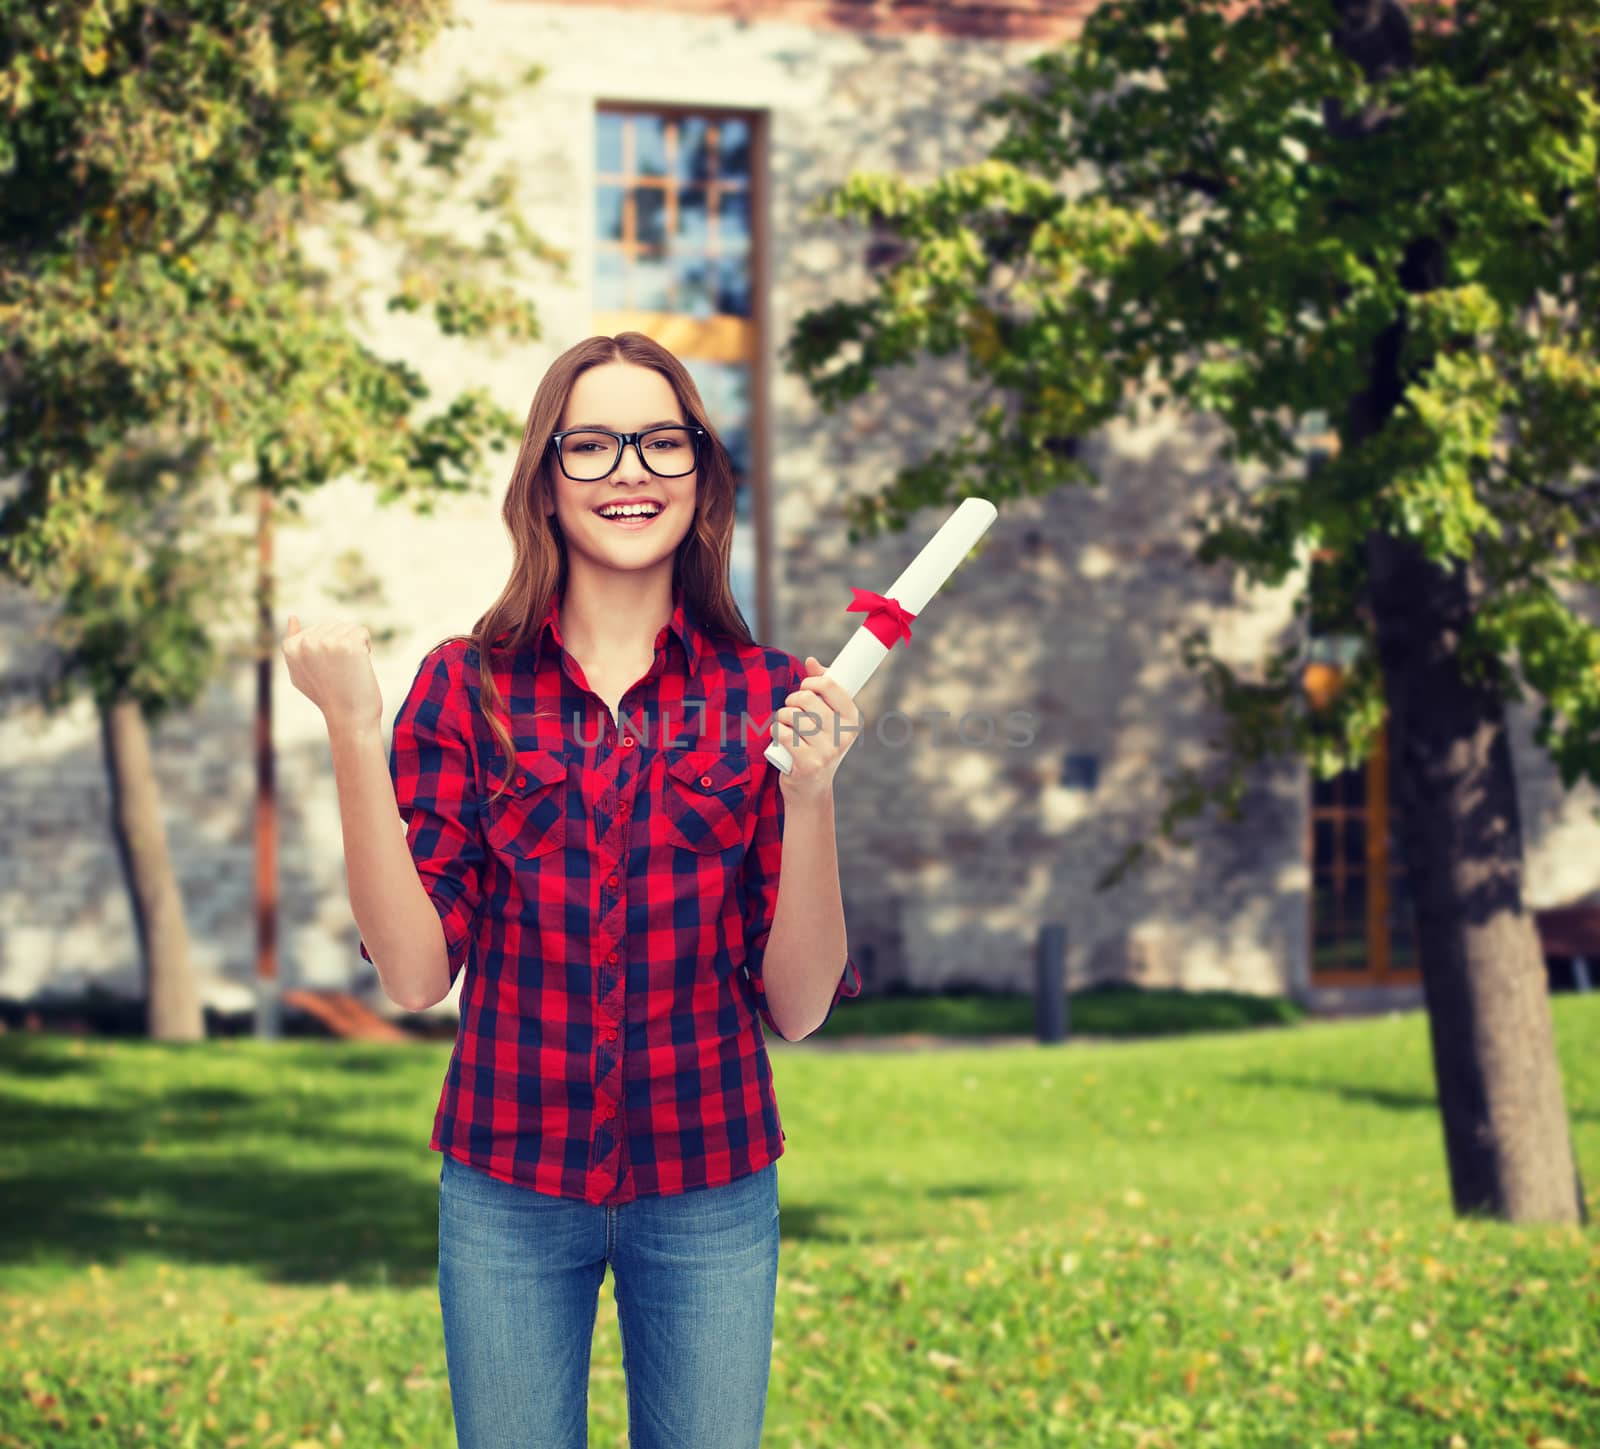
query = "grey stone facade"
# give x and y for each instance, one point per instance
(952, 855)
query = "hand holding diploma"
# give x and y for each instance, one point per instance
(888, 620)
(805, 730)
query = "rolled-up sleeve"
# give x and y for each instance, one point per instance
(430, 763)
(762, 864)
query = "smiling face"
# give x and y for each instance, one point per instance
(624, 398)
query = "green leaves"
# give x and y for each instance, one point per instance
(1180, 212)
(192, 200)
(1558, 653)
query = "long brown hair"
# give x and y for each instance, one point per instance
(539, 553)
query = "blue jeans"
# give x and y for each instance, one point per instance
(695, 1277)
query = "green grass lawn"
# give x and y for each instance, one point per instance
(1234, 1238)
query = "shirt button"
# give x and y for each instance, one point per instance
(611, 880)
(521, 781)
(609, 1113)
(623, 808)
(705, 779)
(612, 956)
(611, 1035)
(627, 742)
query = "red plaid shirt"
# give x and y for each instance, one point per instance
(611, 911)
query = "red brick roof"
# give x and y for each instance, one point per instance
(1041, 20)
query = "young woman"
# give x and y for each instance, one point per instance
(594, 836)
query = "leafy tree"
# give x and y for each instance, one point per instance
(186, 193)
(1387, 217)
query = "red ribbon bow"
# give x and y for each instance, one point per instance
(885, 616)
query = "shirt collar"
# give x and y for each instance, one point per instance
(682, 623)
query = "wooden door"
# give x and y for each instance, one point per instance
(1361, 924)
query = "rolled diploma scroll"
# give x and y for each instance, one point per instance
(919, 581)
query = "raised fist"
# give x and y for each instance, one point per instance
(331, 664)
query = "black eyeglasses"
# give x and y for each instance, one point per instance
(589, 454)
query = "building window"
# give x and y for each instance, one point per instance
(675, 258)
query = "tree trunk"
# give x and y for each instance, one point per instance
(173, 1002)
(1506, 1136)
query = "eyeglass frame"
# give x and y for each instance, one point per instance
(695, 431)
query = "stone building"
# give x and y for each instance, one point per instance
(673, 149)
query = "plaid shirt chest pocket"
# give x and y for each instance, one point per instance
(530, 819)
(707, 795)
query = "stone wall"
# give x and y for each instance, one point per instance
(952, 854)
